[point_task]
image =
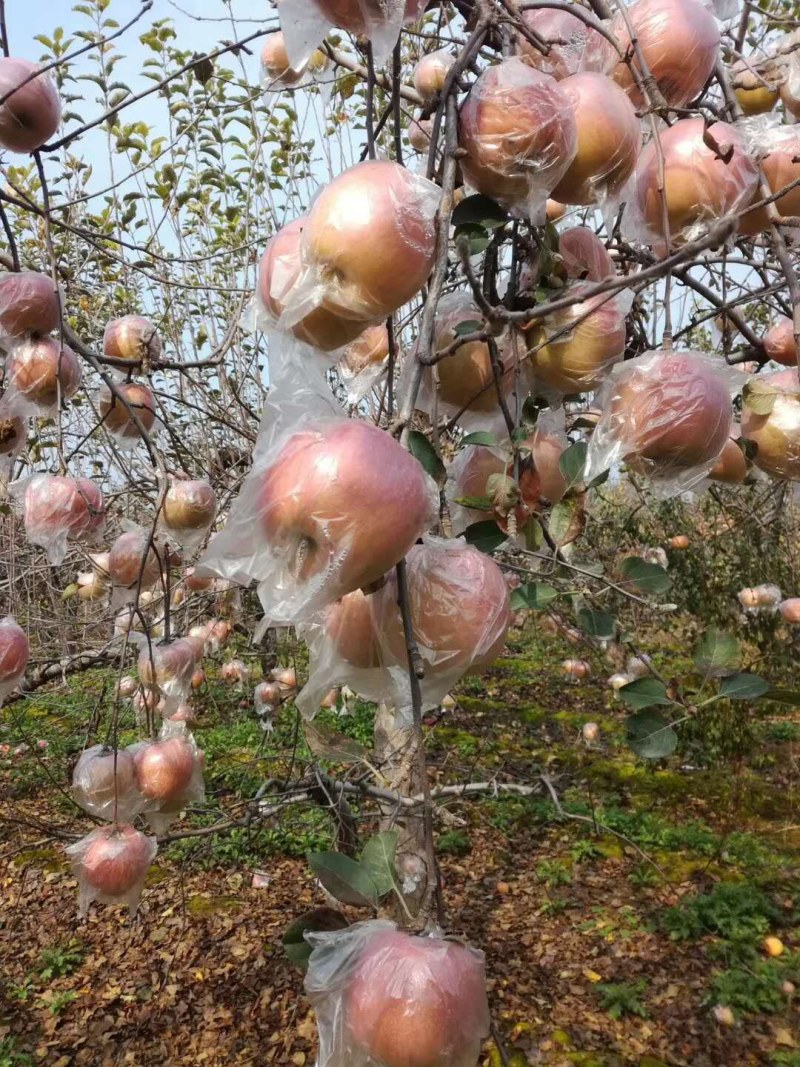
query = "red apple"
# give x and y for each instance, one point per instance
(198, 678)
(609, 138)
(103, 781)
(790, 610)
(370, 239)
(189, 505)
(680, 542)
(31, 115)
(183, 713)
(369, 349)
(777, 432)
(168, 666)
(13, 435)
(576, 669)
(416, 1002)
(419, 134)
(584, 255)
(345, 498)
(679, 42)
(132, 555)
(235, 672)
(266, 695)
(28, 303)
(196, 584)
(219, 632)
(573, 46)
(518, 131)
(14, 651)
(731, 467)
(56, 508)
(164, 769)
(430, 74)
(780, 162)
(132, 338)
(286, 678)
(350, 626)
(116, 416)
(113, 859)
(42, 371)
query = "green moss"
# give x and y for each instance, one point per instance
(203, 905)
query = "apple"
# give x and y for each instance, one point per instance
(14, 655)
(278, 274)
(198, 678)
(579, 359)
(671, 412)
(286, 677)
(235, 672)
(638, 666)
(518, 130)
(416, 1002)
(773, 946)
(132, 555)
(731, 467)
(350, 626)
(266, 695)
(219, 632)
(370, 239)
(609, 139)
(90, 587)
(554, 211)
(790, 609)
(43, 371)
(590, 732)
(430, 74)
(759, 597)
(126, 687)
(780, 164)
(148, 702)
(28, 303)
(466, 379)
(275, 66)
(132, 338)
(103, 783)
(56, 508)
(113, 860)
(584, 255)
(699, 185)
(617, 681)
(419, 134)
(345, 500)
(779, 343)
(679, 42)
(116, 416)
(755, 93)
(183, 713)
(169, 666)
(31, 115)
(189, 505)
(196, 584)
(13, 434)
(576, 669)
(680, 542)
(369, 349)
(164, 769)
(777, 432)
(573, 46)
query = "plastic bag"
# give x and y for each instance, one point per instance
(667, 415)
(169, 668)
(364, 362)
(306, 22)
(573, 46)
(518, 129)
(110, 864)
(430, 75)
(609, 138)
(56, 509)
(14, 655)
(760, 599)
(117, 410)
(32, 113)
(679, 42)
(384, 998)
(771, 419)
(367, 245)
(29, 303)
(104, 784)
(584, 255)
(756, 93)
(701, 186)
(235, 672)
(732, 466)
(572, 350)
(790, 86)
(777, 149)
(278, 73)
(133, 563)
(132, 338)
(169, 774)
(190, 507)
(459, 607)
(40, 373)
(13, 436)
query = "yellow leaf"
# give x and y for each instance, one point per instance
(783, 1037)
(592, 976)
(199, 975)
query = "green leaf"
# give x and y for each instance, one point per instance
(572, 463)
(475, 503)
(597, 624)
(477, 238)
(784, 696)
(759, 396)
(485, 536)
(565, 522)
(647, 577)
(717, 653)
(480, 437)
(650, 735)
(534, 596)
(644, 693)
(479, 210)
(378, 859)
(319, 920)
(421, 448)
(344, 878)
(468, 326)
(743, 687)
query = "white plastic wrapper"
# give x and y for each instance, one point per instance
(364, 362)
(701, 186)
(584, 255)
(306, 22)
(117, 410)
(790, 86)
(32, 113)
(667, 415)
(132, 338)
(679, 42)
(384, 997)
(56, 509)
(367, 245)
(518, 129)
(459, 604)
(190, 508)
(760, 599)
(235, 672)
(29, 303)
(169, 669)
(110, 864)
(40, 373)
(132, 564)
(14, 656)
(330, 504)
(771, 419)
(277, 73)
(777, 149)
(169, 774)
(13, 437)
(104, 784)
(573, 46)
(573, 350)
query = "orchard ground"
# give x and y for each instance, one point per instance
(607, 946)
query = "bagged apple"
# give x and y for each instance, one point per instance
(14, 656)
(104, 784)
(110, 864)
(57, 509)
(169, 774)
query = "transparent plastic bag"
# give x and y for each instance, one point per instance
(132, 563)
(573, 350)
(56, 509)
(790, 86)
(235, 672)
(306, 22)
(760, 599)
(14, 655)
(573, 46)
(29, 303)
(777, 149)
(117, 410)
(700, 186)
(584, 255)
(169, 668)
(32, 113)
(40, 373)
(367, 245)
(104, 784)
(132, 338)
(13, 437)
(430, 75)
(756, 92)
(518, 129)
(110, 864)
(679, 41)
(190, 507)
(771, 420)
(364, 362)
(384, 998)
(169, 774)
(278, 73)
(667, 415)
